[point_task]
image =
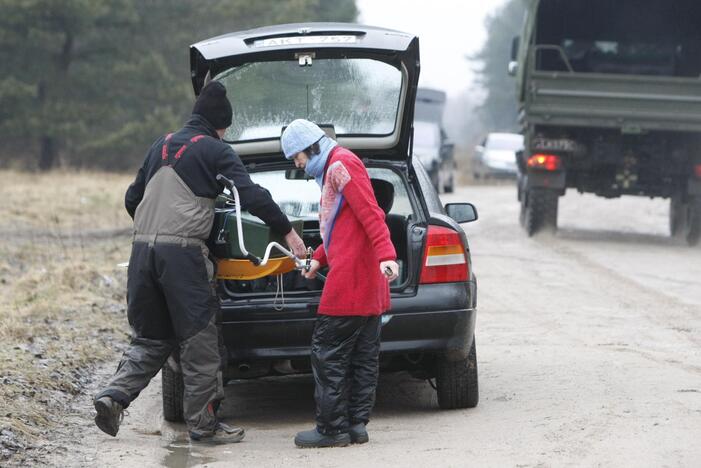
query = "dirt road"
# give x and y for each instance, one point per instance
(589, 355)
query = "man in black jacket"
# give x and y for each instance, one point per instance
(170, 294)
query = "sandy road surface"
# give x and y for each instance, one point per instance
(589, 351)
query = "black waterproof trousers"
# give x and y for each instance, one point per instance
(172, 306)
(345, 352)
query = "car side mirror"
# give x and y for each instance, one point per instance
(513, 64)
(513, 68)
(461, 212)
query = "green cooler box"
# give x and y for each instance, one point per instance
(224, 239)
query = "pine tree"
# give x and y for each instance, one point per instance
(93, 82)
(499, 110)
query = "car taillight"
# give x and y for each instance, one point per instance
(444, 258)
(548, 162)
(697, 171)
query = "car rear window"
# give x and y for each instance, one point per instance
(505, 142)
(357, 96)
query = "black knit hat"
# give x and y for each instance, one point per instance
(213, 105)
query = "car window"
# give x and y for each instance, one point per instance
(301, 197)
(433, 202)
(505, 142)
(357, 96)
(401, 204)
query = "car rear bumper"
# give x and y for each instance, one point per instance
(439, 318)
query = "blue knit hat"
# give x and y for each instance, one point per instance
(299, 135)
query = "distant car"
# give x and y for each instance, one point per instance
(496, 155)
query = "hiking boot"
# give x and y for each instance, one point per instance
(358, 433)
(315, 439)
(109, 415)
(222, 434)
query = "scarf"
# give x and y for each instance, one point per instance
(316, 164)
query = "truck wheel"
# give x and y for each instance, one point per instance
(692, 233)
(677, 217)
(685, 220)
(173, 391)
(521, 198)
(540, 211)
(456, 381)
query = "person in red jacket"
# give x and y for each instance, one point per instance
(362, 261)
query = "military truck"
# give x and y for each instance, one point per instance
(431, 145)
(610, 103)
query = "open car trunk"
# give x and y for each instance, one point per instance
(358, 82)
(300, 198)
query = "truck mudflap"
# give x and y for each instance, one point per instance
(549, 180)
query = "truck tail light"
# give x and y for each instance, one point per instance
(444, 258)
(548, 162)
(697, 171)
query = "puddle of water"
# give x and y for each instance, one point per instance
(182, 454)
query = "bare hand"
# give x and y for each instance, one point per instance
(296, 244)
(390, 269)
(313, 268)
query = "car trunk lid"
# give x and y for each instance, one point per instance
(361, 80)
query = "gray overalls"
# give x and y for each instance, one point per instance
(170, 294)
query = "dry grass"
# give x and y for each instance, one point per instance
(63, 202)
(61, 292)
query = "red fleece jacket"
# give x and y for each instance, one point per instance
(357, 239)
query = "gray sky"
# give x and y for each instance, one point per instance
(448, 30)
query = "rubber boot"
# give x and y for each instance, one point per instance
(358, 434)
(315, 439)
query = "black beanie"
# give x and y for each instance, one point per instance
(213, 105)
